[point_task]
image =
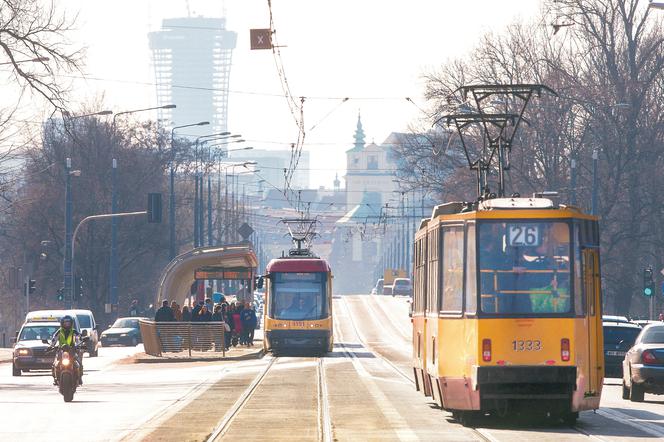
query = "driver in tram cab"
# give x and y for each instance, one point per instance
(297, 310)
(538, 267)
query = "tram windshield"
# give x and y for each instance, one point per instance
(525, 267)
(299, 296)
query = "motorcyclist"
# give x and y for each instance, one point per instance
(67, 335)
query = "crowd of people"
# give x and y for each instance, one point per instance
(239, 318)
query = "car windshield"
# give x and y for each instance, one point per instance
(37, 332)
(402, 282)
(618, 335)
(653, 335)
(299, 296)
(525, 267)
(84, 321)
(125, 323)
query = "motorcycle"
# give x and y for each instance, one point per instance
(67, 369)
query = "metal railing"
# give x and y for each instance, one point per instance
(183, 339)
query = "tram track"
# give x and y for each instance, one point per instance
(481, 433)
(324, 421)
(239, 404)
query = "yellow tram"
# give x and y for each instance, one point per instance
(507, 300)
(507, 308)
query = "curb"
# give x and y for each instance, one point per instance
(258, 354)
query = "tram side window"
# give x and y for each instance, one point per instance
(452, 269)
(471, 270)
(579, 289)
(420, 275)
(433, 298)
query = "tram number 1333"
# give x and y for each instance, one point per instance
(534, 345)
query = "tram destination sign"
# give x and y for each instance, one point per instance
(207, 273)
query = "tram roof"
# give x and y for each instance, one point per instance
(514, 207)
(298, 265)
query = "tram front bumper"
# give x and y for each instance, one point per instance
(298, 339)
(525, 382)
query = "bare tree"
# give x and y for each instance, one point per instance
(33, 39)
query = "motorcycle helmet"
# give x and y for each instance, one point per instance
(66, 322)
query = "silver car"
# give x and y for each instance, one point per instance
(643, 367)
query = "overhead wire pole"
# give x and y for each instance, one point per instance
(69, 213)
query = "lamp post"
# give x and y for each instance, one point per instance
(113, 271)
(69, 206)
(198, 186)
(171, 198)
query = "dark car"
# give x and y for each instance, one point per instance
(643, 366)
(402, 286)
(125, 331)
(29, 350)
(618, 338)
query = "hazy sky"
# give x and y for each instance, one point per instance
(373, 51)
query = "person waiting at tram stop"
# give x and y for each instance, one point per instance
(165, 313)
(249, 320)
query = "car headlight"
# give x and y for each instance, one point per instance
(23, 352)
(124, 335)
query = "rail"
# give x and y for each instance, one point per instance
(183, 339)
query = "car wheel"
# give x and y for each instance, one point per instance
(16, 371)
(625, 391)
(636, 393)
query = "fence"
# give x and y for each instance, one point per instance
(183, 339)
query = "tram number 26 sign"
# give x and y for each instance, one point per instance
(523, 235)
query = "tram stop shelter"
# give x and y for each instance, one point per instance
(214, 264)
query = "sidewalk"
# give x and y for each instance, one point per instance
(5, 355)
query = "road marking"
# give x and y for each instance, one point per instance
(398, 423)
(389, 313)
(644, 426)
(392, 331)
(324, 419)
(141, 429)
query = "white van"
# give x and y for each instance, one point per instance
(86, 321)
(51, 316)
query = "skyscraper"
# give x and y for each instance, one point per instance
(192, 65)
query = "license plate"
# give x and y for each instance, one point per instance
(615, 353)
(111, 339)
(46, 360)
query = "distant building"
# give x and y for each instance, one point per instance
(192, 64)
(369, 168)
(272, 164)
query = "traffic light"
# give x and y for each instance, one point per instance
(648, 282)
(78, 288)
(60, 296)
(32, 286)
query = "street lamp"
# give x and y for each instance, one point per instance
(67, 264)
(113, 271)
(171, 205)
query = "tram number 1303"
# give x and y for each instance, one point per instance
(534, 345)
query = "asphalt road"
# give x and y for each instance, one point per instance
(361, 391)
